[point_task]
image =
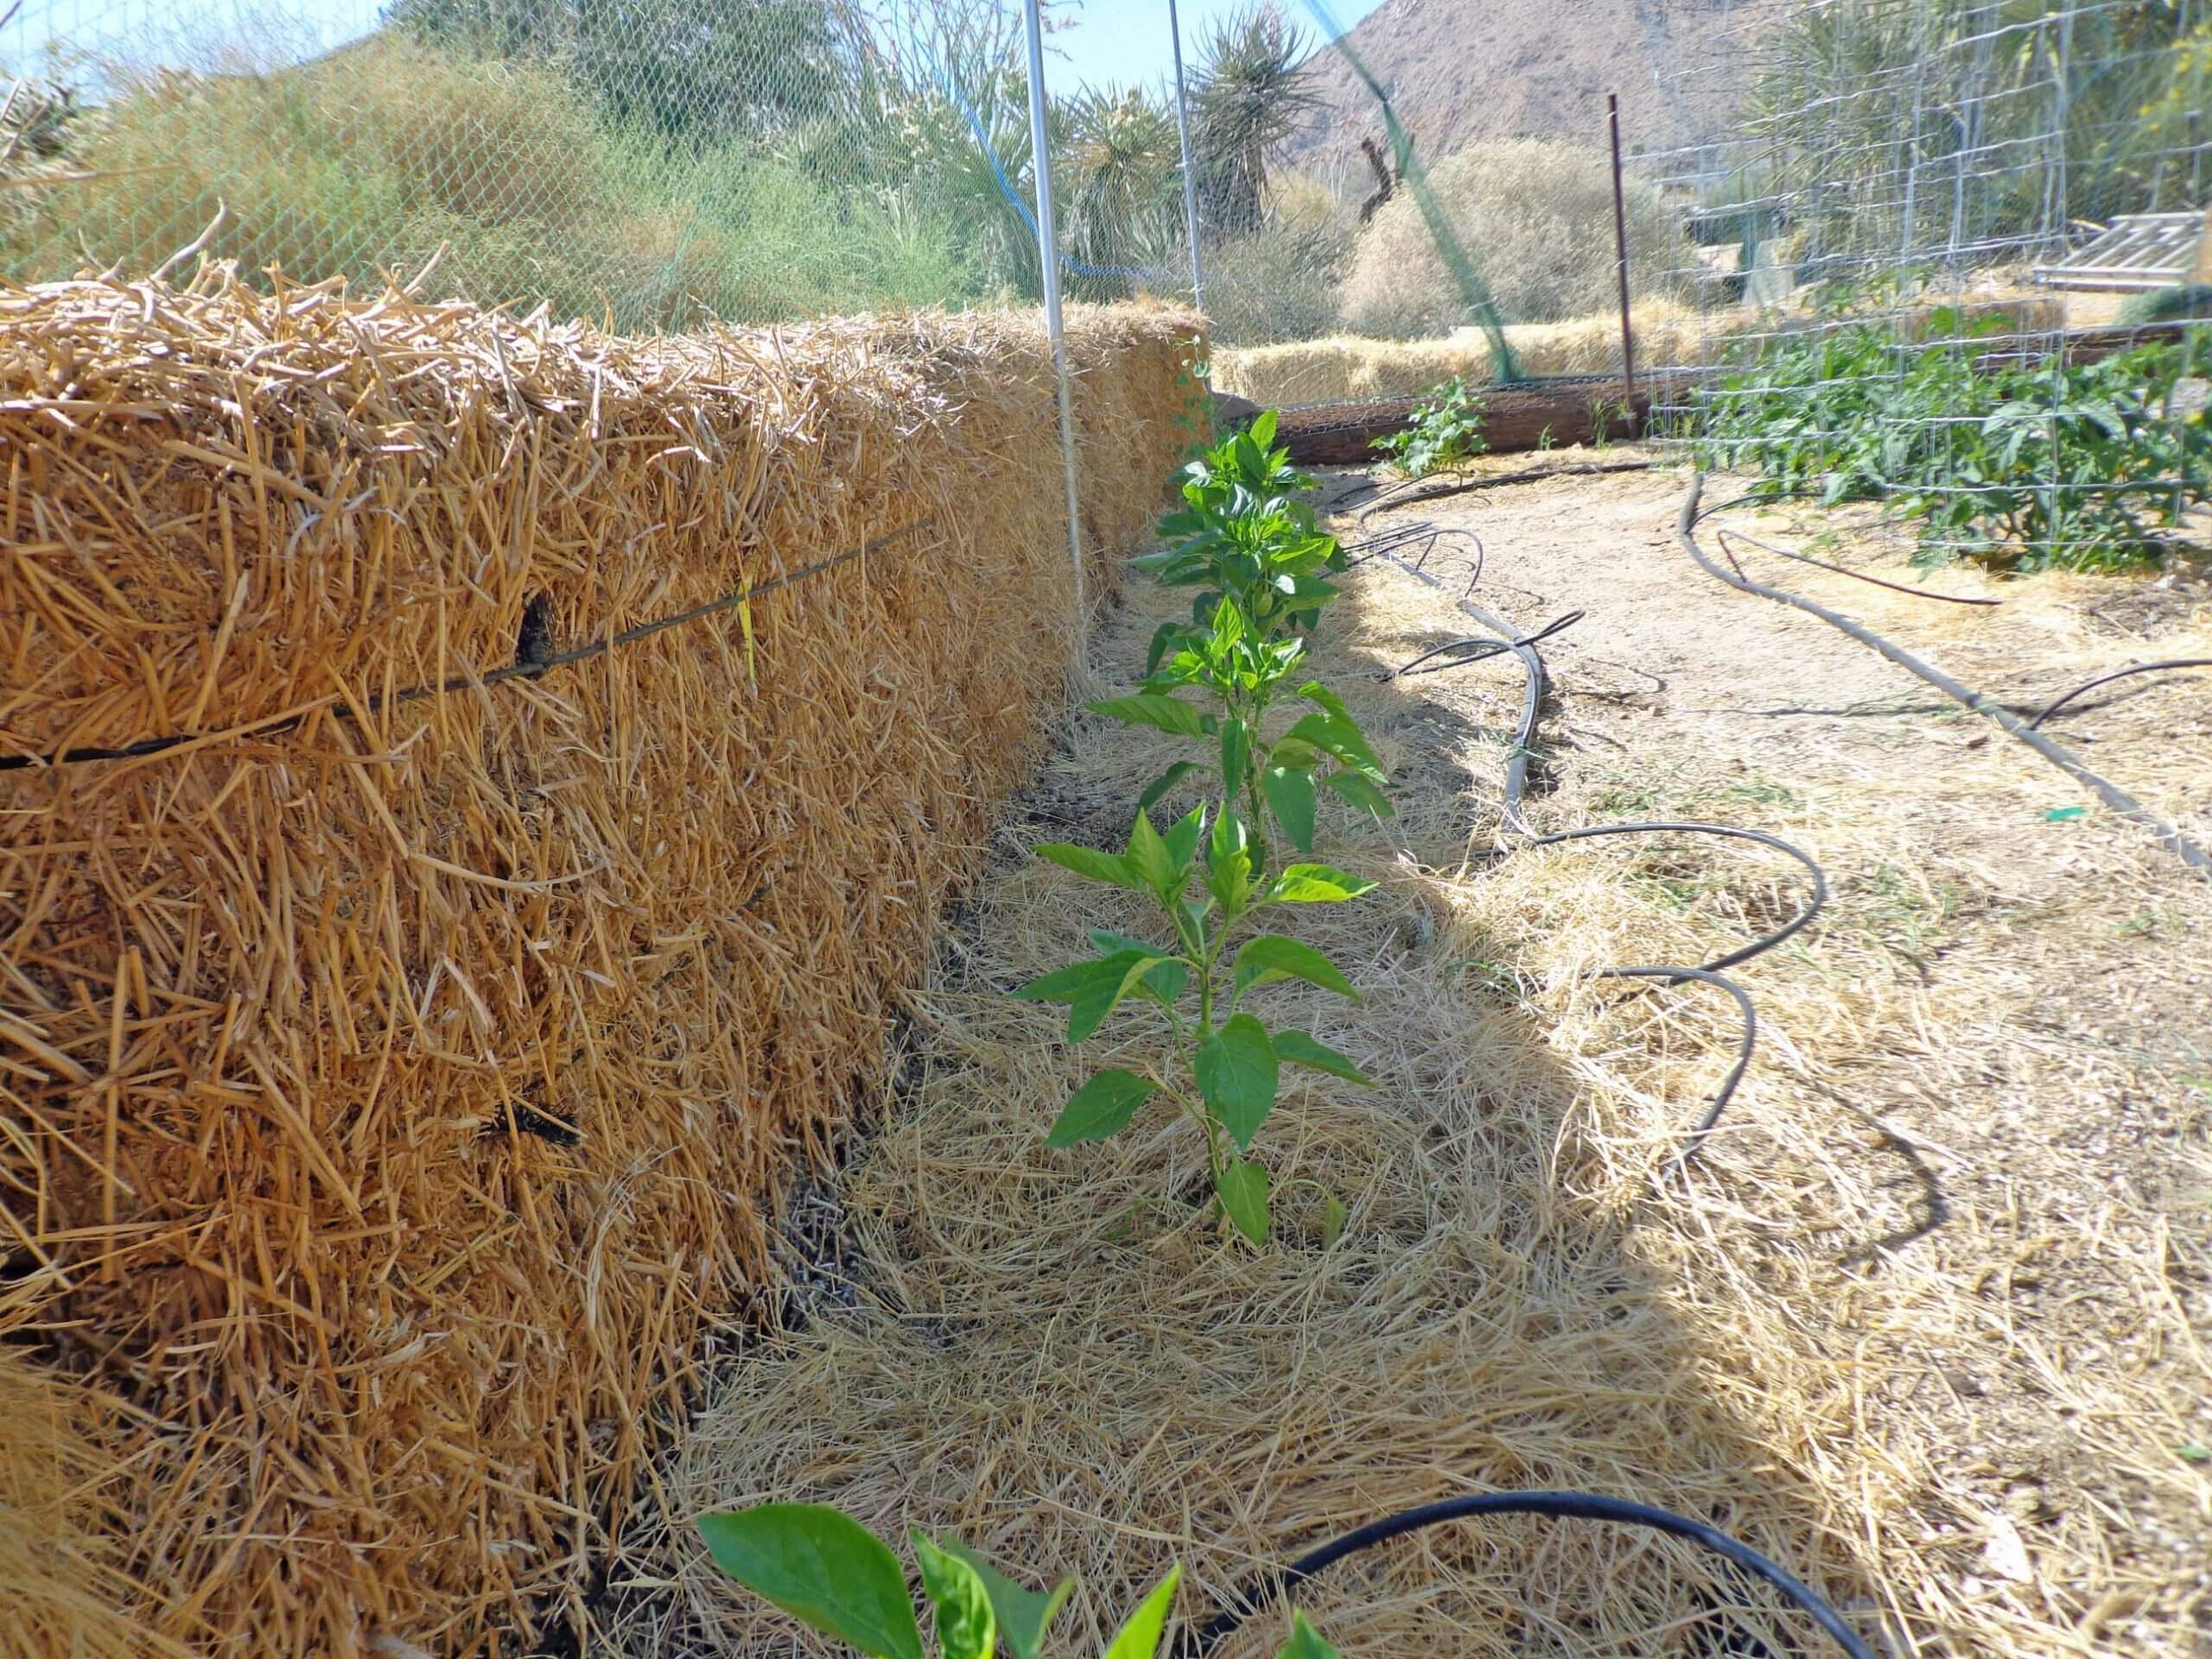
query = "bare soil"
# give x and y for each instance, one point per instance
(2034, 1326)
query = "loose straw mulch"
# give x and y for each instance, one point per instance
(392, 1087)
(1050, 1355)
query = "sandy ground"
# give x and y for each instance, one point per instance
(2045, 1044)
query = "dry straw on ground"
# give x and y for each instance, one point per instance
(1046, 1361)
(391, 1097)
(1042, 1359)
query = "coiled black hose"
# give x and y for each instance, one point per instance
(1584, 1506)
(1571, 1506)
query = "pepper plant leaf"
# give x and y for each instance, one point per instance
(1270, 956)
(825, 1569)
(1300, 1049)
(1238, 1073)
(1360, 790)
(1023, 1615)
(1290, 798)
(1102, 1108)
(1315, 884)
(1157, 790)
(967, 1625)
(1242, 1189)
(1090, 863)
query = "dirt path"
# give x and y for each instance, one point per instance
(1925, 1321)
(2026, 1306)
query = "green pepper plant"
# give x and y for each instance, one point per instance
(1259, 559)
(834, 1576)
(1227, 1065)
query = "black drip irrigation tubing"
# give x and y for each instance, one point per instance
(2111, 794)
(1569, 1506)
(1577, 1506)
(532, 660)
(2121, 674)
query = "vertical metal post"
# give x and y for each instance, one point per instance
(1048, 259)
(1620, 252)
(1190, 183)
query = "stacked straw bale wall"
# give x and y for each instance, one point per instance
(395, 1090)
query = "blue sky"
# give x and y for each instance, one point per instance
(1097, 42)
(1122, 42)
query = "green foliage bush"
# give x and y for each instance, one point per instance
(1447, 430)
(2023, 465)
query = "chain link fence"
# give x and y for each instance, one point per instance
(656, 164)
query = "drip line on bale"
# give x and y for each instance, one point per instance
(2111, 794)
(1561, 1505)
(532, 660)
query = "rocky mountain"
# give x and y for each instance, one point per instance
(1457, 71)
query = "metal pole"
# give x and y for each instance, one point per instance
(1620, 251)
(1190, 184)
(1048, 259)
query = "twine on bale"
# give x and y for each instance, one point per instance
(394, 1088)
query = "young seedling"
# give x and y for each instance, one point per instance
(1447, 430)
(1259, 561)
(1226, 1065)
(834, 1575)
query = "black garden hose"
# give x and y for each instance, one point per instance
(2121, 674)
(1571, 1506)
(1856, 575)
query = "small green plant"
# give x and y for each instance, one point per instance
(1602, 412)
(1194, 421)
(1226, 1065)
(1545, 442)
(1259, 560)
(1447, 430)
(834, 1575)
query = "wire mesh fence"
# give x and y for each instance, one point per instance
(656, 164)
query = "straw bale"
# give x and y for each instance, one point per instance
(396, 1090)
(1349, 367)
(64, 1594)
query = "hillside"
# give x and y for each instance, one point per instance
(1461, 70)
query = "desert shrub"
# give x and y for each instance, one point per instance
(1536, 216)
(383, 156)
(1281, 282)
